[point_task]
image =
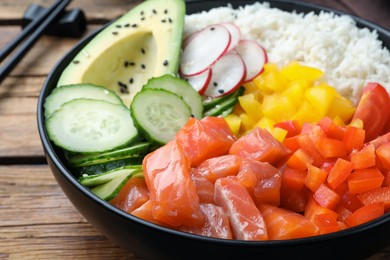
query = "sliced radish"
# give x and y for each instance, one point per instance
(204, 49)
(187, 39)
(235, 34)
(228, 74)
(254, 57)
(200, 81)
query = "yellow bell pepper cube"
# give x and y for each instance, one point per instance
(297, 71)
(278, 108)
(320, 97)
(234, 123)
(251, 106)
(306, 113)
(342, 108)
(247, 122)
(279, 133)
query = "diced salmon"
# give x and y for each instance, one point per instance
(145, 212)
(132, 195)
(220, 167)
(216, 223)
(245, 218)
(172, 191)
(262, 180)
(206, 138)
(285, 224)
(204, 188)
(259, 145)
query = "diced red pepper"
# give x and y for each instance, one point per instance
(315, 177)
(339, 172)
(363, 158)
(365, 180)
(354, 138)
(365, 214)
(326, 197)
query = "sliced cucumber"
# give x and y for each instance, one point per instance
(90, 126)
(181, 88)
(67, 93)
(159, 114)
(223, 108)
(82, 160)
(94, 180)
(107, 185)
(106, 166)
(209, 102)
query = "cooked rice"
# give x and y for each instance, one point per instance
(350, 56)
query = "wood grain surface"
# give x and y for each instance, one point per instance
(37, 221)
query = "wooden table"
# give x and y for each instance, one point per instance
(36, 219)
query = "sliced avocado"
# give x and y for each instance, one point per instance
(143, 43)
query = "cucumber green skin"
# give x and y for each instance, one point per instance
(106, 166)
(82, 160)
(181, 88)
(144, 132)
(61, 95)
(99, 179)
(223, 107)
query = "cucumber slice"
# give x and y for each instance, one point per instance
(95, 180)
(181, 88)
(223, 108)
(209, 102)
(159, 114)
(82, 160)
(107, 185)
(67, 93)
(106, 166)
(90, 126)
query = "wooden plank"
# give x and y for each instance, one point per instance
(37, 221)
(96, 11)
(19, 136)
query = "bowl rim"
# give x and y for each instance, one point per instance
(50, 149)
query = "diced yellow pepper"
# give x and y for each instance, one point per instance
(295, 93)
(275, 81)
(234, 123)
(247, 122)
(279, 133)
(358, 123)
(297, 71)
(265, 123)
(278, 108)
(341, 107)
(251, 88)
(338, 121)
(320, 97)
(251, 106)
(306, 113)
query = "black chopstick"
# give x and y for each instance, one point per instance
(45, 20)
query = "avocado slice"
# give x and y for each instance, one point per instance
(143, 43)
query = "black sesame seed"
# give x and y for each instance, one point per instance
(154, 11)
(132, 63)
(118, 26)
(134, 25)
(165, 11)
(192, 116)
(126, 63)
(221, 91)
(126, 25)
(142, 13)
(131, 80)
(165, 63)
(215, 84)
(143, 50)
(115, 33)
(212, 28)
(123, 87)
(143, 66)
(163, 20)
(170, 20)
(76, 62)
(142, 18)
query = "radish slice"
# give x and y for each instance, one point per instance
(228, 74)
(235, 33)
(200, 81)
(254, 57)
(189, 38)
(204, 49)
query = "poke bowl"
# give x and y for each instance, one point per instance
(353, 237)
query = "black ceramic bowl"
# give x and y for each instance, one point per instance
(154, 242)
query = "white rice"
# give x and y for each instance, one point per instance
(349, 56)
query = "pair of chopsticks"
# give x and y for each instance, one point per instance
(33, 30)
